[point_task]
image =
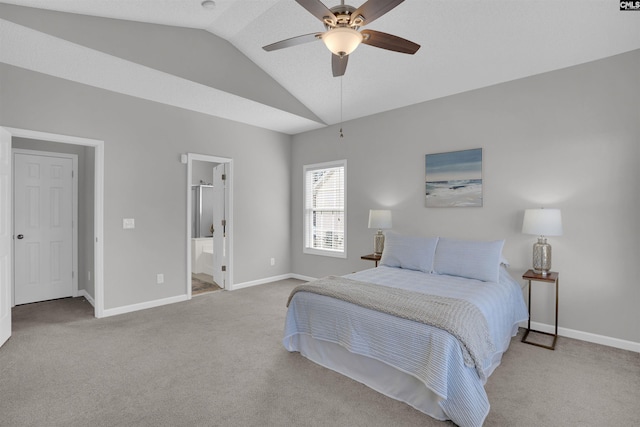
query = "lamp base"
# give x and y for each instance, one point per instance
(378, 243)
(541, 256)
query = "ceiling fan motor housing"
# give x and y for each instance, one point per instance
(343, 18)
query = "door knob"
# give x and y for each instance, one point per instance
(20, 236)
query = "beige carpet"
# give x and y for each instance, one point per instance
(201, 283)
(217, 360)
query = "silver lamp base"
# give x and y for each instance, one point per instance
(541, 256)
(378, 243)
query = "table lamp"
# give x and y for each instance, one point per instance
(542, 222)
(380, 219)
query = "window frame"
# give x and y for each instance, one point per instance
(307, 247)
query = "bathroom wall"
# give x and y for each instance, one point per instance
(202, 198)
(202, 172)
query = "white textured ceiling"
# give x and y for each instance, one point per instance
(466, 44)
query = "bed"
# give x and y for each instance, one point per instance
(438, 370)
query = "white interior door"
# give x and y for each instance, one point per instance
(219, 225)
(43, 227)
(5, 236)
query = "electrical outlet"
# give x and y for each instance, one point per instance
(273, 262)
(128, 223)
(159, 278)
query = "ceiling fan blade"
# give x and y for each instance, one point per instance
(294, 41)
(339, 65)
(317, 9)
(389, 42)
(374, 9)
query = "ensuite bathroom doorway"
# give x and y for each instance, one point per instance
(207, 225)
(209, 232)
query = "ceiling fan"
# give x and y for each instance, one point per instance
(342, 36)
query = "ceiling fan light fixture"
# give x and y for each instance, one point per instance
(342, 41)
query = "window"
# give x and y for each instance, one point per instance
(324, 209)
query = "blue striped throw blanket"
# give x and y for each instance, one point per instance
(460, 318)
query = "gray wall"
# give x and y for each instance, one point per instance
(143, 141)
(85, 202)
(568, 139)
(145, 180)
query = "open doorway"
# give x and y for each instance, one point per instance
(92, 257)
(209, 236)
(203, 202)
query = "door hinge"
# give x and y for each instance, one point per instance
(224, 176)
(224, 222)
(224, 268)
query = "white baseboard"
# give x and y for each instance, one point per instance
(301, 277)
(586, 336)
(85, 294)
(143, 305)
(261, 281)
(179, 298)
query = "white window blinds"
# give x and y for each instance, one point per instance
(324, 223)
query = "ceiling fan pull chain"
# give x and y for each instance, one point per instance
(341, 134)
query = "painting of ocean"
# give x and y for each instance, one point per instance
(454, 179)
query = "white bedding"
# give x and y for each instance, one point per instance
(409, 361)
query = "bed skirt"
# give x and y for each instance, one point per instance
(373, 373)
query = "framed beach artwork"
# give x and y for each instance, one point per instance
(454, 179)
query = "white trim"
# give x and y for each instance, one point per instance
(229, 215)
(6, 241)
(85, 294)
(143, 305)
(98, 228)
(261, 281)
(74, 207)
(301, 277)
(586, 336)
(272, 279)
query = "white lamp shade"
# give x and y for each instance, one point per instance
(542, 222)
(342, 40)
(380, 219)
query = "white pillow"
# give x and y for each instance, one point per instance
(410, 252)
(466, 258)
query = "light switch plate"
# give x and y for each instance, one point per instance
(128, 223)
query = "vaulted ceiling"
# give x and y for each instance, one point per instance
(465, 45)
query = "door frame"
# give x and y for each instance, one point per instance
(98, 202)
(6, 258)
(229, 214)
(74, 213)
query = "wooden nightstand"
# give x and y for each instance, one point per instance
(372, 257)
(551, 277)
